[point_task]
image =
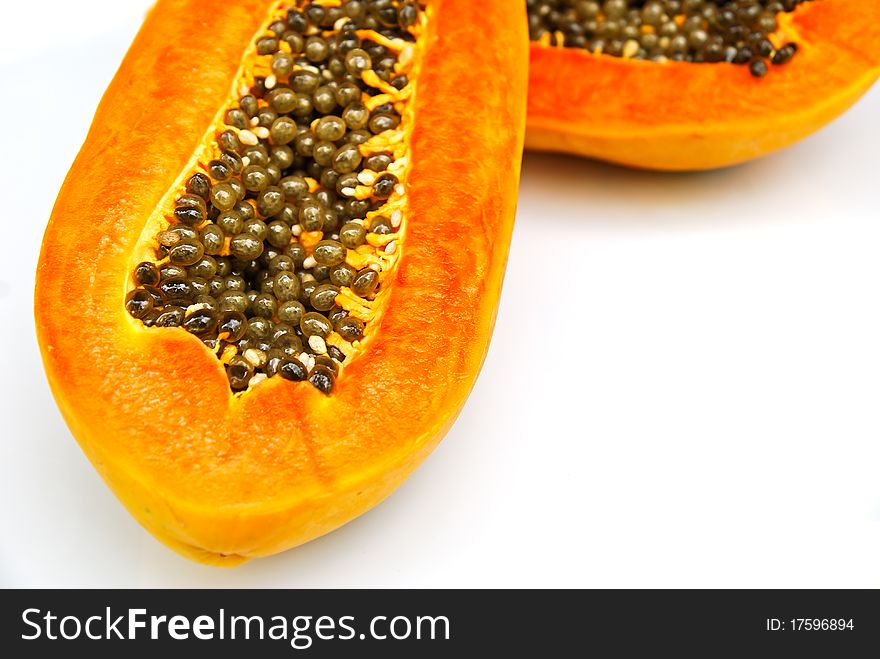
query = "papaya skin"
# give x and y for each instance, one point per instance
(220, 478)
(681, 116)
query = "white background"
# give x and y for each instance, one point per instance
(682, 388)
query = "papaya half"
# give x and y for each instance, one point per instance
(693, 85)
(270, 278)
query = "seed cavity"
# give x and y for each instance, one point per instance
(745, 32)
(273, 249)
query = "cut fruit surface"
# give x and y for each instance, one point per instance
(279, 192)
(690, 115)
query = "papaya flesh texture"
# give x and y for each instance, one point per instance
(222, 477)
(686, 116)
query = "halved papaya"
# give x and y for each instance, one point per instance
(342, 216)
(639, 107)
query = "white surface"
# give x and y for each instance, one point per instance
(682, 389)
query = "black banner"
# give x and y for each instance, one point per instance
(442, 623)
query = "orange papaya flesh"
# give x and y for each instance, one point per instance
(222, 473)
(679, 115)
